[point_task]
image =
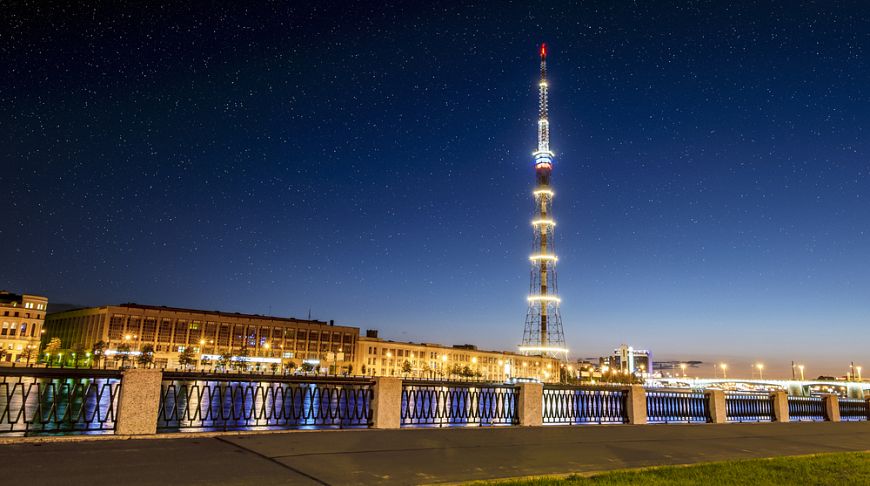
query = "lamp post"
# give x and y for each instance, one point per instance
(801, 369)
(683, 367)
(760, 367)
(858, 369)
(724, 367)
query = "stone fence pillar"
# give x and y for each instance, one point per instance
(636, 405)
(832, 407)
(718, 407)
(139, 402)
(531, 404)
(780, 406)
(387, 404)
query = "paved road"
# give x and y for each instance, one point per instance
(411, 456)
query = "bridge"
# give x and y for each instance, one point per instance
(850, 389)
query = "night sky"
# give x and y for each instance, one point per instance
(372, 164)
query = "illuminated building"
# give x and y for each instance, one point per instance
(543, 335)
(266, 340)
(22, 321)
(627, 358)
(379, 357)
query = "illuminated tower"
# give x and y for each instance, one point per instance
(543, 332)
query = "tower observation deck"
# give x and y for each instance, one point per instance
(543, 333)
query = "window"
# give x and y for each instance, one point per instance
(5, 330)
(23, 331)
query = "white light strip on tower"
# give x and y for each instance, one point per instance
(552, 258)
(544, 298)
(544, 349)
(549, 222)
(538, 192)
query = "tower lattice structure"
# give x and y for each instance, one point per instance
(543, 334)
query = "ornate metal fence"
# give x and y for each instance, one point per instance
(665, 407)
(435, 403)
(193, 401)
(749, 407)
(570, 405)
(802, 409)
(854, 410)
(36, 401)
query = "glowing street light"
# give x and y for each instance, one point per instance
(760, 367)
(683, 367)
(724, 367)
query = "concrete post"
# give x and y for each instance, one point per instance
(636, 404)
(139, 402)
(718, 407)
(780, 406)
(531, 404)
(832, 407)
(387, 404)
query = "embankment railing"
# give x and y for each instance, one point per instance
(38, 401)
(439, 404)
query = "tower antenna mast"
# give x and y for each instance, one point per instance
(543, 333)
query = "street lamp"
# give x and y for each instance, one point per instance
(683, 367)
(760, 367)
(724, 367)
(858, 369)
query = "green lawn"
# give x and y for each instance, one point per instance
(848, 468)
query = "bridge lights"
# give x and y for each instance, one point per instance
(760, 367)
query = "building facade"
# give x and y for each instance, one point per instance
(265, 340)
(22, 317)
(626, 358)
(379, 357)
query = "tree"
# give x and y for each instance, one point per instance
(241, 363)
(52, 347)
(350, 369)
(224, 360)
(307, 367)
(274, 368)
(146, 355)
(186, 357)
(28, 353)
(363, 369)
(123, 352)
(98, 350)
(466, 372)
(406, 367)
(205, 361)
(78, 353)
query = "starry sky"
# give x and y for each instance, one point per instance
(371, 163)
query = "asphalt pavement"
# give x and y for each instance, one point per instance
(413, 456)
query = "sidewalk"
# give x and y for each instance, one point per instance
(416, 456)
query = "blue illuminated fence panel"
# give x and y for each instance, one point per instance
(806, 409)
(442, 404)
(664, 407)
(38, 401)
(854, 410)
(749, 407)
(212, 402)
(564, 405)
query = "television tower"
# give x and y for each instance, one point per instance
(543, 333)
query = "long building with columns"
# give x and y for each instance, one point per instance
(279, 342)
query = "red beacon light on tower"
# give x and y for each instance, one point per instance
(544, 50)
